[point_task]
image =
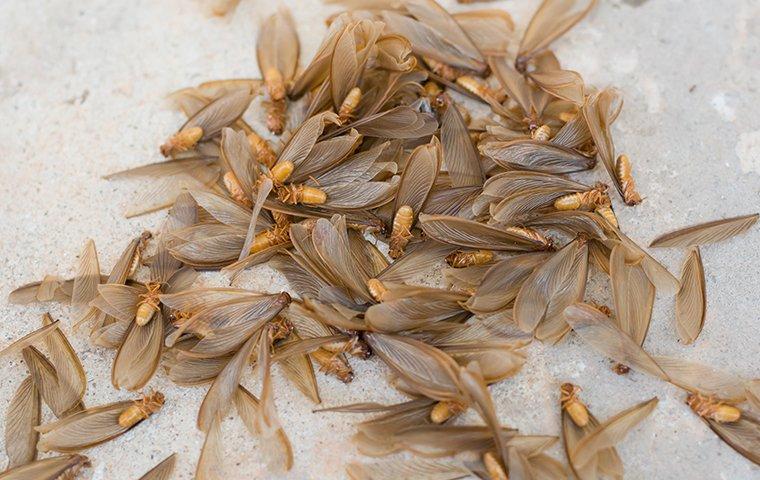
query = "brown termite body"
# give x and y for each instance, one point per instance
(276, 235)
(570, 403)
(445, 410)
(480, 88)
(281, 171)
(608, 214)
(300, 193)
(460, 259)
(587, 200)
(149, 304)
(261, 150)
(333, 364)
(401, 231)
(141, 409)
(275, 83)
(346, 110)
(137, 258)
(709, 407)
(236, 191)
(624, 174)
(377, 289)
(182, 141)
(532, 234)
(494, 468)
(275, 111)
(542, 133)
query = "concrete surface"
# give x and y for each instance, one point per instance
(81, 88)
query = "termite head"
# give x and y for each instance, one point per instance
(621, 369)
(280, 328)
(182, 141)
(445, 410)
(570, 403)
(708, 407)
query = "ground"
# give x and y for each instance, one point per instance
(81, 95)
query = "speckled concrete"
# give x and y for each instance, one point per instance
(81, 88)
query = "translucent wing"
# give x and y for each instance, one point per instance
(87, 278)
(277, 44)
(502, 282)
(83, 429)
(551, 287)
(552, 19)
(419, 176)
(611, 432)
(52, 468)
(633, 294)
(691, 301)
(22, 416)
(603, 335)
(29, 339)
(536, 156)
(742, 435)
(407, 469)
(163, 470)
(211, 462)
(468, 233)
(70, 375)
(427, 369)
(706, 233)
(459, 155)
(138, 357)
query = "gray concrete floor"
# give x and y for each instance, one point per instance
(81, 89)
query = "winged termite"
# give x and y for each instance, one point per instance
(587, 200)
(552, 20)
(589, 444)
(706, 233)
(471, 234)
(739, 429)
(407, 308)
(690, 300)
(528, 154)
(277, 52)
(163, 470)
(418, 178)
(96, 425)
(625, 178)
(138, 308)
(208, 122)
(63, 467)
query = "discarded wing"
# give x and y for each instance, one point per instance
(706, 233)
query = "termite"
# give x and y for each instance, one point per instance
(605, 211)
(432, 90)
(275, 115)
(281, 171)
(353, 346)
(708, 407)
(532, 234)
(349, 104)
(494, 468)
(444, 70)
(542, 133)
(570, 403)
(480, 88)
(300, 193)
(627, 184)
(261, 150)
(141, 409)
(148, 305)
(268, 238)
(182, 141)
(402, 231)
(446, 409)
(587, 200)
(137, 257)
(280, 328)
(460, 259)
(275, 83)
(333, 364)
(377, 289)
(236, 191)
